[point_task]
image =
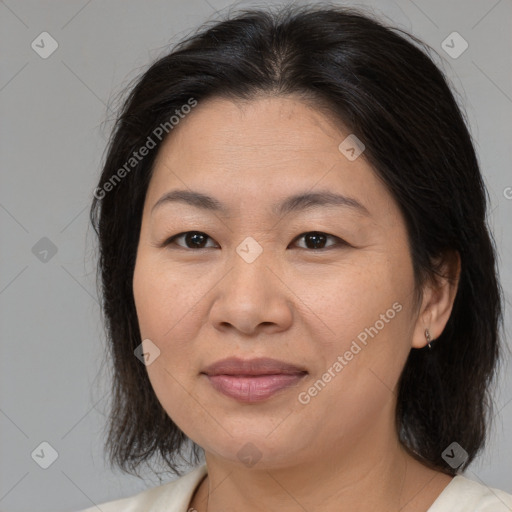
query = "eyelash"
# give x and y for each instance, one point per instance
(340, 241)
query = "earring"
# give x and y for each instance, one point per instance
(429, 339)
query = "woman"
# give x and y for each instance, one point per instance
(298, 279)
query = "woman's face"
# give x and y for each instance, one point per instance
(253, 282)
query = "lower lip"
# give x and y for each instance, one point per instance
(253, 388)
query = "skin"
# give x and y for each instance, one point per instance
(295, 302)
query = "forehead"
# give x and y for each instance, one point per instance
(265, 148)
(283, 127)
(276, 123)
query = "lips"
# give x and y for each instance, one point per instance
(252, 380)
(260, 366)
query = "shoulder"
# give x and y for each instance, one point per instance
(465, 495)
(173, 496)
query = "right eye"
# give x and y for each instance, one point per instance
(193, 240)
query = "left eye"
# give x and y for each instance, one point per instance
(197, 240)
(318, 239)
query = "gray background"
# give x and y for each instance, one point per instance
(53, 130)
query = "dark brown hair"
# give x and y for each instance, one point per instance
(384, 86)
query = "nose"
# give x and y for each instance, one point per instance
(252, 298)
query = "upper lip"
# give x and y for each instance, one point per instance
(258, 366)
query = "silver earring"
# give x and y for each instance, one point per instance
(429, 339)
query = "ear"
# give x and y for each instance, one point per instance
(437, 301)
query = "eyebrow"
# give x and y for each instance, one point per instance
(299, 202)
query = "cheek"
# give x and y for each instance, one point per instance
(365, 316)
(165, 313)
(348, 297)
(145, 291)
(163, 298)
(158, 314)
(173, 389)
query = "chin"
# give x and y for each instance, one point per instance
(255, 451)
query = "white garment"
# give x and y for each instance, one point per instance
(460, 495)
